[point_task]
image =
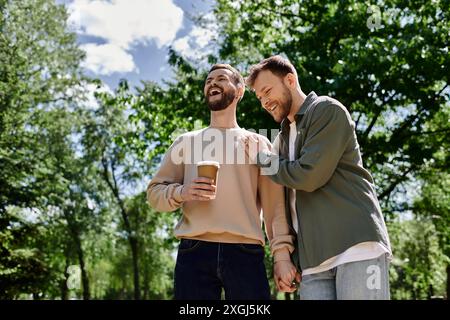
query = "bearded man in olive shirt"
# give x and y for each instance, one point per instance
(343, 248)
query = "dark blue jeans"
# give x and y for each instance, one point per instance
(204, 268)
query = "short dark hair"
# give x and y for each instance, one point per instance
(278, 65)
(237, 77)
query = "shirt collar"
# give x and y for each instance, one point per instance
(302, 110)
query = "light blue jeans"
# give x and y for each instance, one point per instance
(361, 280)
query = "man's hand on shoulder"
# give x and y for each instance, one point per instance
(254, 144)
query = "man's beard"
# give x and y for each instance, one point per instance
(285, 104)
(222, 103)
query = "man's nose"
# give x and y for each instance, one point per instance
(212, 83)
(209, 86)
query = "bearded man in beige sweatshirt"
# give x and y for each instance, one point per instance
(222, 241)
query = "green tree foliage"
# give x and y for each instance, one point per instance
(388, 64)
(433, 206)
(22, 267)
(74, 222)
(157, 244)
(39, 72)
(105, 144)
(418, 268)
(434, 199)
(107, 123)
(39, 68)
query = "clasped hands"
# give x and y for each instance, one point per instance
(286, 276)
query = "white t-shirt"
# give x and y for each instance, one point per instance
(359, 252)
(292, 195)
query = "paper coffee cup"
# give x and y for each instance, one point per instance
(209, 169)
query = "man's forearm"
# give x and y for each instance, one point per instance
(164, 197)
(293, 174)
(328, 135)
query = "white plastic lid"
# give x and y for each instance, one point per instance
(208, 163)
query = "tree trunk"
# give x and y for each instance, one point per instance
(126, 221)
(80, 254)
(146, 281)
(448, 282)
(430, 292)
(134, 251)
(64, 288)
(84, 276)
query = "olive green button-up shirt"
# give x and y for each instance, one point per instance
(336, 203)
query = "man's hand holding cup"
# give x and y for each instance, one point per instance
(204, 187)
(200, 189)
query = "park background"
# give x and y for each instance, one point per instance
(93, 92)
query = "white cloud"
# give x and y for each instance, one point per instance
(202, 36)
(124, 23)
(182, 45)
(199, 42)
(105, 59)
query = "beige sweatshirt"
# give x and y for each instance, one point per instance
(234, 216)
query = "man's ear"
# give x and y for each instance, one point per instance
(241, 91)
(290, 80)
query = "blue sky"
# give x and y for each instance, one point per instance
(130, 38)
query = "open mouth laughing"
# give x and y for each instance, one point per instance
(272, 107)
(215, 92)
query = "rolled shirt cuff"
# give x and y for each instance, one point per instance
(177, 194)
(281, 254)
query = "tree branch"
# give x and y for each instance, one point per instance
(357, 121)
(286, 14)
(376, 116)
(429, 132)
(132, 239)
(394, 183)
(113, 169)
(113, 187)
(418, 114)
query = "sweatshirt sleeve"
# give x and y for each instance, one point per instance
(164, 190)
(272, 200)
